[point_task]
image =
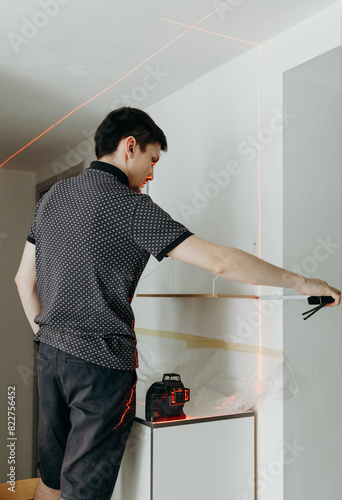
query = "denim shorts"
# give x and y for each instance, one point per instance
(86, 413)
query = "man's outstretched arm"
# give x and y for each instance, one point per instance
(27, 285)
(236, 265)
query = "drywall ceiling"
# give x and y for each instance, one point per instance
(57, 55)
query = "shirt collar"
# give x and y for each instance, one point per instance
(110, 169)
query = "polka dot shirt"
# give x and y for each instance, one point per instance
(94, 237)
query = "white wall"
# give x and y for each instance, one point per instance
(17, 201)
(312, 243)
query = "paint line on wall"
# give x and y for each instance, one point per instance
(199, 342)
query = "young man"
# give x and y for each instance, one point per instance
(89, 242)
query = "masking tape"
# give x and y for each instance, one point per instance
(198, 342)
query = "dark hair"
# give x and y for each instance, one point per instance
(124, 122)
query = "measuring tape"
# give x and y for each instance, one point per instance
(283, 297)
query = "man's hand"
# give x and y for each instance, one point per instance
(315, 287)
(27, 285)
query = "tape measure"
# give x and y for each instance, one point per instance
(283, 297)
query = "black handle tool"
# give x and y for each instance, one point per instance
(321, 301)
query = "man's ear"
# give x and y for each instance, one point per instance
(130, 144)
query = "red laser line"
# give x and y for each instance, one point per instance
(8, 159)
(208, 31)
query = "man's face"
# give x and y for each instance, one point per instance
(142, 165)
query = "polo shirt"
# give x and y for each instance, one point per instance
(94, 237)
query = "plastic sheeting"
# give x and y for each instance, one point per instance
(221, 381)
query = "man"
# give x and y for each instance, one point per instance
(89, 242)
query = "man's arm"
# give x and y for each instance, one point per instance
(234, 264)
(27, 285)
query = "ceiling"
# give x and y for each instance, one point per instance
(72, 61)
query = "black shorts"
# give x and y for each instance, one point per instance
(86, 412)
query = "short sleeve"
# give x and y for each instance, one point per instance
(155, 230)
(32, 234)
